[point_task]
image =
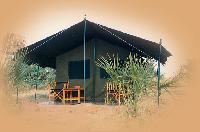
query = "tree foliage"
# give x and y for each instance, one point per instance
(20, 74)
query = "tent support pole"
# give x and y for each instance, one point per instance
(94, 69)
(17, 95)
(36, 85)
(158, 74)
(84, 57)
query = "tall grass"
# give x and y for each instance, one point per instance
(3, 71)
(136, 75)
(138, 78)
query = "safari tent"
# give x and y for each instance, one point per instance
(74, 51)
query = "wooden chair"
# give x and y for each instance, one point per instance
(113, 92)
(56, 91)
(50, 91)
(68, 94)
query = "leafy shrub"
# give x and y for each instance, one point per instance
(135, 74)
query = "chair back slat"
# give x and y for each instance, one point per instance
(113, 91)
(56, 90)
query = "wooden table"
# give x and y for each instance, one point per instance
(69, 96)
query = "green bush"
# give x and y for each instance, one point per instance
(135, 74)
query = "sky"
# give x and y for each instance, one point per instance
(170, 21)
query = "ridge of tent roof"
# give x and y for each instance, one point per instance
(72, 37)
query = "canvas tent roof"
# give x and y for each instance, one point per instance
(44, 52)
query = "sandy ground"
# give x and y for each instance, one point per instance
(42, 115)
